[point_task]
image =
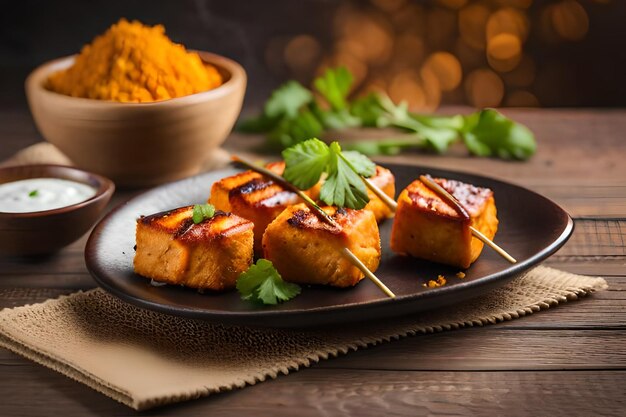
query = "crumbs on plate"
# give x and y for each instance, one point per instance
(439, 282)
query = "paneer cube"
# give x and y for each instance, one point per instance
(384, 179)
(256, 198)
(307, 250)
(207, 255)
(426, 227)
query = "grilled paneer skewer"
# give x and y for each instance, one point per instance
(256, 198)
(260, 200)
(171, 248)
(307, 250)
(427, 227)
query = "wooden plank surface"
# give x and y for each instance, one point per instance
(348, 392)
(570, 360)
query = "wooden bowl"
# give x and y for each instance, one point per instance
(44, 232)
(138, 144)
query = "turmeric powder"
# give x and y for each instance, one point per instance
(132, 62)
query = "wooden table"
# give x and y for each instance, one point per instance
(570, 360)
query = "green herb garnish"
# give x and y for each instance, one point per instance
(262, 283)
(33, 193)
(294, 114)
(306, 162)
(202, 212)
(489, 133)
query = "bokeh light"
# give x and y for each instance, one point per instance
(484, 88)
(507, 20)
(521, 98)
(302, 53)
(472, 22)
(425, 53)
(570, 20)
(445, 67)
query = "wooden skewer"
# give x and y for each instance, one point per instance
(357, 262)
(477, 234)
(449, 198)
(322, 214)
(390, 202)
(444, 194)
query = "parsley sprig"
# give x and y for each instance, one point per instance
(262, 284)
(306, 162)
(293, 114)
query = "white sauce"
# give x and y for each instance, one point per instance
(39, 194)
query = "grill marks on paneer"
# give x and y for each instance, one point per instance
(427, 227)
(171, 248)
(256, 198)
(307, 250)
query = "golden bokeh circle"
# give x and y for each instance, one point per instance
(445, 67)
(570, 20)
(301, 53)
(472, 21)
(484, 88)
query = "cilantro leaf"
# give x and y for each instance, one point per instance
(438, 140)
(262, 283)
(335, 119)
(343, 187)
(287, 100)
(281, 111)
(334, 85)
(441, 122)
(368, 109)
(361, 163)
(305, 163)
(33, 193)
(202, 212)
(435, 131)
(293, 114)
(291, 131)
(489, 133)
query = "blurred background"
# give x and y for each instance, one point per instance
(528, 53)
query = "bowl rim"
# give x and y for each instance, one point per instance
(105, 188)
(236, 72)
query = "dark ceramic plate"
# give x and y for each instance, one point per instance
(531, 229)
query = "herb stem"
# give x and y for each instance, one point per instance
(387, 146)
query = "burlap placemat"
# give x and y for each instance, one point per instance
(144, 358)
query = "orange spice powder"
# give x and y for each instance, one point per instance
(132, 62)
